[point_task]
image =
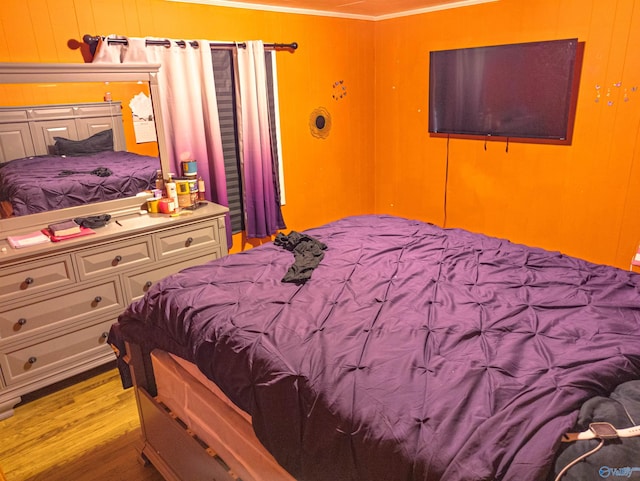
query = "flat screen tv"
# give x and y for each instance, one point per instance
(520, 91)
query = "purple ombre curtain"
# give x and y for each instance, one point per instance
(263, 216)
(189, 106)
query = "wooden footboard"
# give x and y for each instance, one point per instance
(174, 445)
(173, 449)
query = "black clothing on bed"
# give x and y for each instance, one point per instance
(307, 252)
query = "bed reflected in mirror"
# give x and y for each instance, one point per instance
(69, 144)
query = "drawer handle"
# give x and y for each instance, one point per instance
(189, 241)
(97, 299)
(32, 360)
(117, 259)
(22, 321)
(148, 284)
(28, 281)
(104, 335)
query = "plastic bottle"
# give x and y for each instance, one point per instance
(159, 181)
(201, 188)
(172, 192)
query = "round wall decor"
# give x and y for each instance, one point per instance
(320, 123)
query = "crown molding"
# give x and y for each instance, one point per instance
(435, 8)
(324, 13)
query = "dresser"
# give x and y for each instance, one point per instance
(58, 300)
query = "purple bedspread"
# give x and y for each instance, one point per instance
(412, 353)
(34, 184)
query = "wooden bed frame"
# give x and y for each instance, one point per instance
(30, 130)
(174, 446)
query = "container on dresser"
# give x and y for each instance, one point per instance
(58, 300)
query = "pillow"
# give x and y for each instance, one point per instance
(99, 142)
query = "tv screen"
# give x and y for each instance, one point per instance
(520, 90)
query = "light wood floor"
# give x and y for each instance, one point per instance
(86, 431)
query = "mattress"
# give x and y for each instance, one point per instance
(48, 182)
(411, 353)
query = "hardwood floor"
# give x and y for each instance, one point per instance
(81, 431)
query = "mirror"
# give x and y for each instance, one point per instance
(36, 170)
(107, 88)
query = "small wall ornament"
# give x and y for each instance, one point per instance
(320, 123)
(339, 90)
(612, 93)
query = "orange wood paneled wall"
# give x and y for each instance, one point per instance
(582, 199)
(325, 178)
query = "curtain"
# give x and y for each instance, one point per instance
(263, 215)
(189, 106)
(192, 127)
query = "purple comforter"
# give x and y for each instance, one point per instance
(412, 353)
(34, 184)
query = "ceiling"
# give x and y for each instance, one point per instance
(369, 9)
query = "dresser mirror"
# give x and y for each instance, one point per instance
(79, 105)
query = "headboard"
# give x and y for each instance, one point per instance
(30, 130)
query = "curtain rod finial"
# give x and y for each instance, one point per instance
(92, 41)
(90, 38)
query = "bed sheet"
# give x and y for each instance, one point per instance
(412, 353)
(43, 183)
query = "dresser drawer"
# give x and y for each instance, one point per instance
(179, 241)
(56, 354)
(114, 257)
(137, 285)
(90, 301)
(35, 277)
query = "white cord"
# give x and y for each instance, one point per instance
(628, 414)
(578, 459)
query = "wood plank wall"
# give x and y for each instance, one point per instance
(582, 199)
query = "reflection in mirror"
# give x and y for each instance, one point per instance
(68, 144)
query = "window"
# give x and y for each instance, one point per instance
(224, 73)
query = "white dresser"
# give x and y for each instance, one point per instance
(58, 300)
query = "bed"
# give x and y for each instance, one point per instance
(408, 352)
(58, 156)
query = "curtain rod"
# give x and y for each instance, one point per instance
(92, 41)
